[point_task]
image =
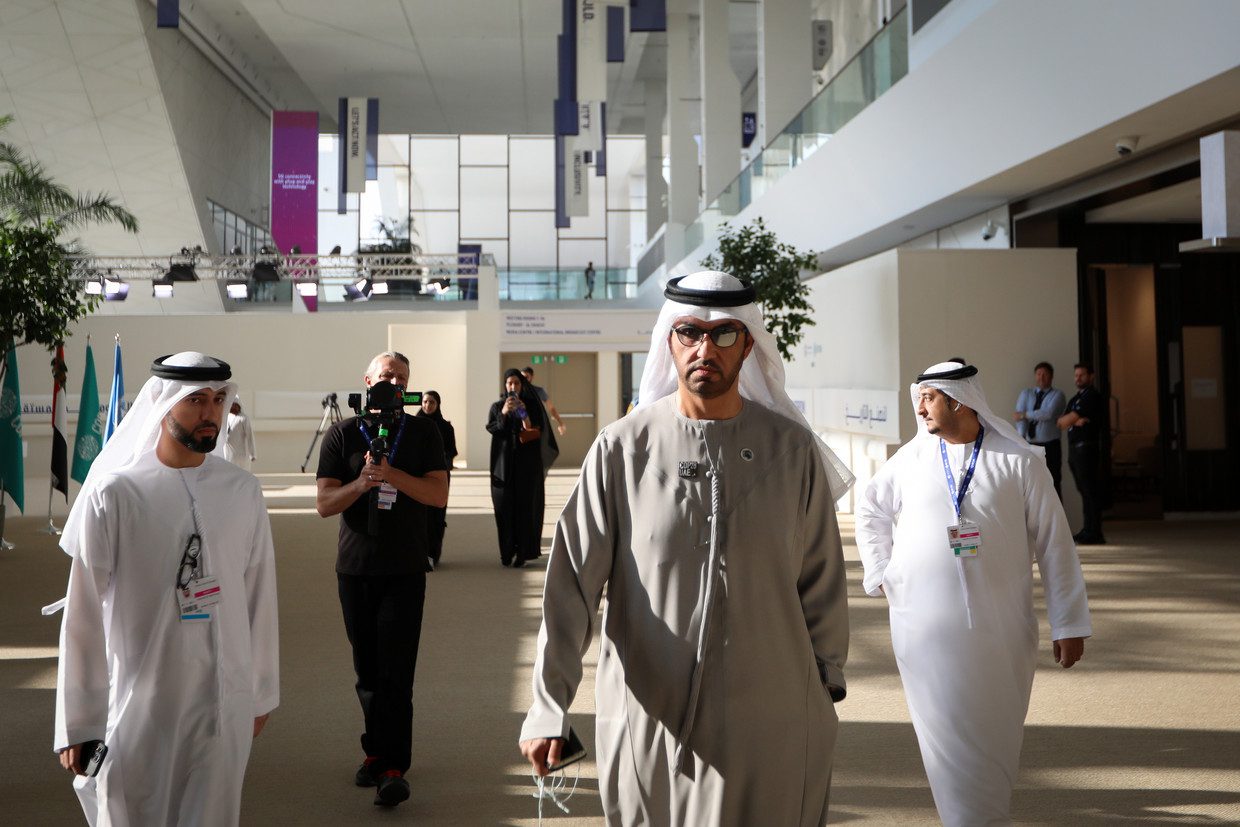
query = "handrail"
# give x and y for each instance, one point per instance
(886, 57)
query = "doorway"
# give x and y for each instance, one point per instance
(571, 382)
(1132, 380)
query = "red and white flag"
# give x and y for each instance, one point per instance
(60, 413)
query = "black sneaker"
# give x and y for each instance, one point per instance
(393, 789)
(365, 776)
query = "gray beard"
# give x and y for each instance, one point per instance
(202, 446)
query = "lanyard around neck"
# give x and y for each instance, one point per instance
(958, 498)
(395, 442)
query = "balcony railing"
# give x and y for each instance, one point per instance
(872, 71)
(549, 284)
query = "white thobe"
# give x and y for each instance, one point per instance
(726, 623)
(239, 440)
(174, 701)
(968, 688)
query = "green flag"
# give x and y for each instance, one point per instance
(89, 436)
(12, 470)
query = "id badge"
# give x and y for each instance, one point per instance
(387, 496)
(198, 599)
(964, 539)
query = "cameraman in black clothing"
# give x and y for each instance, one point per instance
(1084, 419)
(382, 579)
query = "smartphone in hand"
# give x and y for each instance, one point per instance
(570, 753)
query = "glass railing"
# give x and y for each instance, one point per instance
(872, 71)
(549, 284)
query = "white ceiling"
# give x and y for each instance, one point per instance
(440, 66)
(437, 66)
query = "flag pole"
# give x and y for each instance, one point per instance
(5, 545)
(51, 526)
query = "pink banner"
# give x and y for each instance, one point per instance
(294, 184)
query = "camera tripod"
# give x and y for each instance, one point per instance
(331, 415)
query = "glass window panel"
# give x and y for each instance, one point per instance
(335, 229)
(394, 150)
(531, 174)
(436, 232)
(484, 202)
(576, 253)
(626, 237)
(626, 165)
(484, 149)
(593, 225)
(499, 249)
(533, 239)
(434, 167)
(386, 200)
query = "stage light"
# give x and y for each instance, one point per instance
(94, 286)
(358, 291)
(237, 290)
(114, 290)
(308, 288)
(162, 288)
(379, 288)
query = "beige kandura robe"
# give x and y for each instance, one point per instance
(731, 666)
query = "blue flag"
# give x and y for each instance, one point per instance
(116, 401)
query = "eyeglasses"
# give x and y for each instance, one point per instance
(692, 335)
(189, 561)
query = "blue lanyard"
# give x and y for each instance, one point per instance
(958, 499)
(395, 442)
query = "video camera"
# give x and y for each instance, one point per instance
(384, 399)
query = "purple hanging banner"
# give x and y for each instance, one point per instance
(294, 184)
(647, 15)
(168, 14)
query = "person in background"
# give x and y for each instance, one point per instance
(239, 438)
(528, 373)
(437, 518)
(1084, 421)
(1039, 408)
(522, 449)
(589, 280)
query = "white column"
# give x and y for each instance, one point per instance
(482, 366)
(683, 122)
(721, 102)
(656, 184)
(785, 68)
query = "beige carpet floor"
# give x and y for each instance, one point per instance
(1146, 728)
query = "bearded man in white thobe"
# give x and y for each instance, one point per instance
(168, 648)
(948, 530)
(708, 513)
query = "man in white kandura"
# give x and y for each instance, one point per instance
(947, 530)
(239, 438)
(168, 648)
(708, 514)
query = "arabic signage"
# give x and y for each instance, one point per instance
(865, 412)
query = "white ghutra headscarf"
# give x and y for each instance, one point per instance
(713, 296)
(175, 377)
(960, 382)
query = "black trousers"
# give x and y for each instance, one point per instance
(1054, 462)
(383, 619)
(1083, 460)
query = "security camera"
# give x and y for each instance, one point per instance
(988, 231)
(1126, 146)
